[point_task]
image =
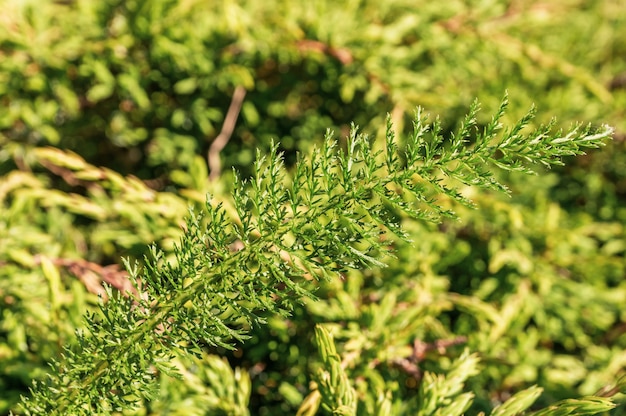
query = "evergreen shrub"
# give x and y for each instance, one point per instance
(476, 301)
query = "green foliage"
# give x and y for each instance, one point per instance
(47, 235)
(324, 220)
(143, 86)
(206, 382)
(132, 94)
(338, 396)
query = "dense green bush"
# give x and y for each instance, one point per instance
(259, 259)
(131, 95)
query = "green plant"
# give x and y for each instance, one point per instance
(261, 257)
(132, 95)
(142, 86)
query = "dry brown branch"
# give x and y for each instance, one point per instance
(420, 348)
(66, 174)
(410, 364)
(343, 55)
(92, 275)
(213, 157)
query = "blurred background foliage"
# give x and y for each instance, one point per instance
(108, 111)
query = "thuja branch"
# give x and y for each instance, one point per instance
(325, 218)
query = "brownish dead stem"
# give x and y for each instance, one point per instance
(213, 157)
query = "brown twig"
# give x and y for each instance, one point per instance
(92, 275)
(410, 364)
(343, 55)
(213, 157)
(420, 348)
(68, 175)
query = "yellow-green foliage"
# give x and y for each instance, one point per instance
(259, 257)
(108, 110)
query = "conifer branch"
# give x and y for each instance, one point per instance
(324, 219)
